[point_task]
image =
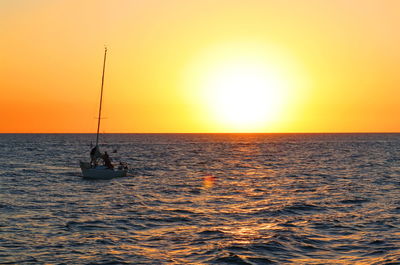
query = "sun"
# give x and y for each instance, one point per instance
(243, 88)
(245, 95)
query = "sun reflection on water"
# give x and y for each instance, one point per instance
(246, 233)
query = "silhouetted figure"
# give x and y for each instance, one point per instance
(94, 155)
(107, 161)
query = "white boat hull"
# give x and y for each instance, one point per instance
(101, 172)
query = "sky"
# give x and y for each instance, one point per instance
(188, 66)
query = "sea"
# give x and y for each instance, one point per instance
(202, 199)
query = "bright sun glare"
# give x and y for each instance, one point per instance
(243, 88)
(245, 95)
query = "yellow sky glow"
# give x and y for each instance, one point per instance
(200, 66)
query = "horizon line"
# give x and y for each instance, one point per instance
(204, 133)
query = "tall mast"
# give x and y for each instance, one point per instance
(101, 96)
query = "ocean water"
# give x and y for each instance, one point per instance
(202, 199)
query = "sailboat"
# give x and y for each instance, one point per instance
(100, 166)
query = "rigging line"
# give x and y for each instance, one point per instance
(101, 95)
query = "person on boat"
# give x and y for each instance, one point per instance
(107, 161)
(95, 154)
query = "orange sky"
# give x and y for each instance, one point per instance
(341, 58)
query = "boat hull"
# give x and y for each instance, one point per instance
(101, 172)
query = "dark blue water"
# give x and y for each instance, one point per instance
(202, 199)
